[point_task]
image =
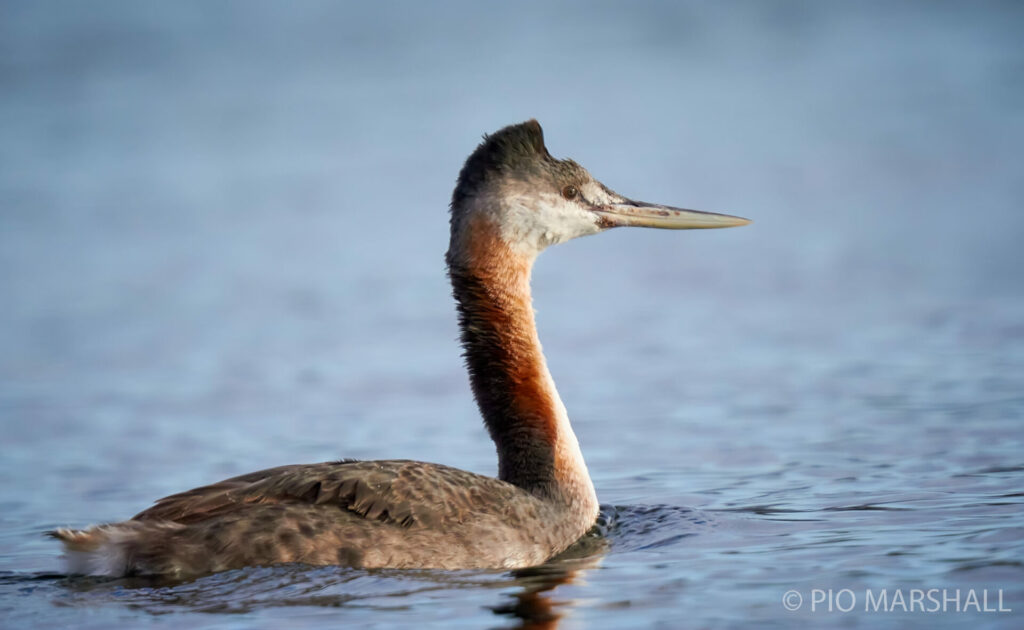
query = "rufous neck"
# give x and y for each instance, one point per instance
(537, 449)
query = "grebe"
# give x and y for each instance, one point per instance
(512, 200)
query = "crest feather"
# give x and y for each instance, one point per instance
(513, 148)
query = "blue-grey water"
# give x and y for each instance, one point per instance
(222, 228)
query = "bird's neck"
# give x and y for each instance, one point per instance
(537, 449)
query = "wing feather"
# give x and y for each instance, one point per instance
(404, 493)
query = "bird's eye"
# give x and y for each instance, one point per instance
(570, 192)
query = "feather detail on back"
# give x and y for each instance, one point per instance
(391, 513)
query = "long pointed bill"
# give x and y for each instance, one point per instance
(637, 213)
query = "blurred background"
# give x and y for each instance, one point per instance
(222, 228)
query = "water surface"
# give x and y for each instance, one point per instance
(221, 242)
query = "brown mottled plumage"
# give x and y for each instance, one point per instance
(363, 514)
(512, 200)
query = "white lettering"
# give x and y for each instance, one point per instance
(946, 600)
(897, 600)
(911, 600)
(818, 597)
(1001, 609)
(972, 599)
(916, 599)
(839, 603)
(882, 601)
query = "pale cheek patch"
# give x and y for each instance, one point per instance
(598, 195)
(536, 222)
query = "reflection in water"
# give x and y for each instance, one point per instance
(634, 527)
(533, 606)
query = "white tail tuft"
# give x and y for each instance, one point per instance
(101, 550)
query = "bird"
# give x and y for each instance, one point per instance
(512, 200)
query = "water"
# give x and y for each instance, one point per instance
(221, 239)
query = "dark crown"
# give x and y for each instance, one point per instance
(516, 148)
